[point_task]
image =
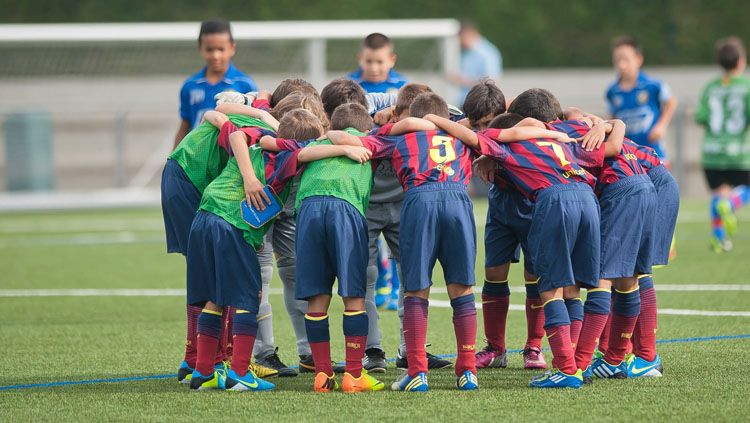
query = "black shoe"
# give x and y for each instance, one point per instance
(307, 365)
(433, 362)
(374, 361)
(274, 362)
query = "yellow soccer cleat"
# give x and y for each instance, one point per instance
(365, 383)
(263, 372)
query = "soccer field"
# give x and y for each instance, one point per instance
(82, 340)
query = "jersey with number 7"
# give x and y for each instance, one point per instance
(535, 164)
(724, 110)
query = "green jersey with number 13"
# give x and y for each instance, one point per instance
(724, 110)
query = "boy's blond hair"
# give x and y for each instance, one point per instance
(300, 124)
(308, 102)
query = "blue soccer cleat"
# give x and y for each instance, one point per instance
(467, 381)
(216, 380)
(184, 373)
(407, 383)
(603, 370)
(638, 367)
(557, 379)
(249, 382)
(588, 376)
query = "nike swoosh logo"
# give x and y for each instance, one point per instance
(251, 385)
(644, 369)
(533, 307)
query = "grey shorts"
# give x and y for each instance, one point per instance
(282, 235)
(265, 255)
(383, 218)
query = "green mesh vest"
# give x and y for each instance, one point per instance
(338, 177)
(199, 153)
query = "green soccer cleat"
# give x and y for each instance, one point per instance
(728, 218)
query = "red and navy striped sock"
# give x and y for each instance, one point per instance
(316, 325)
(244, 331)
(415, 333)
(495, 304)
(626, 307)
(355, 334)
(465, 327)
(191, 342)
(557, 326)
(575, 312)
(534, 316)
(644, 336)
(596, 313)
(209, 333)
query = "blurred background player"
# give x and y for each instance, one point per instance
(724, 111)
(479, 59)
(645, 104)
(376, 61)
(217, 47)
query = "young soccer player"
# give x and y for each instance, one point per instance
(217, 47)
(724, 111)
(376, 61)
(645, 104)
(331, 202)
(564, 235)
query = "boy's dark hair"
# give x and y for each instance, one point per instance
(340, 91)
(351, 115)
(627, 40)
(215, 26)
(299, 124)
(537, 103)
(407, 94)
(729, 51)
(289, 86)
(429, 103)
(484, 98)
(505, 120)
(376, 41)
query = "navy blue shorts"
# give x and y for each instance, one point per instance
(179, 202)
(564, 237)
(507, 229)
(221, 266)
(667, 206)
(437, 223)
(331, 244)
(627, 207)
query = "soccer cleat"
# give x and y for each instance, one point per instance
(490, 357)
(557, 379)
(728, 218)
(249, 382)
(603, 370)
(392, 304)
(262, 371)
(588, 377)
(382, 295)
(306, 364)
(467, 381)
(374, 361)
(365, 383)
(273, 362)
(533, 358)
(407, 383)
(216, 380)
(433, 362)
(184, 373)
(325, 383)
(638, 367)
(718, 246)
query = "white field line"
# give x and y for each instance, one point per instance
(25, 293)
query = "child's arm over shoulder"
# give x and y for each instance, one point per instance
(411, 124)
(216, 119)
(317, 152)
(241, 109)
(616, 137)
(455, 129)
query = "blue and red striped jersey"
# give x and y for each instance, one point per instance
(589, 160)
(423, 157)
(647, 156)
(280, 168)
(619, 167)
(254, 134)
(536, 164)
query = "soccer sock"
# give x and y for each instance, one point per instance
(355, 333)
(224, 350)
(575, 312)
(209, 333)
(596, 313)
(465, 327)
(316, 325)
(495, 303)
(557, 326)
(244, 331)
(626, 307)
(739, 197)
(534, 316)
(415, 332)
(717, 225)
(191, 343)
(644, 336)
(604, 337)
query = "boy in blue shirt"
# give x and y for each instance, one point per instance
(645, 104)
(217, 47)
(376, 61)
